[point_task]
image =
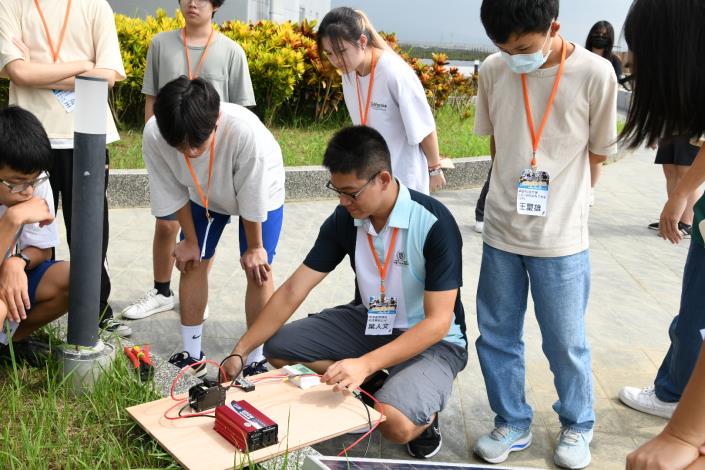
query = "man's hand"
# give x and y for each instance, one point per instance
(254, 263)
(347, 375)
(13, 288)
(233, 366)
(187, 254)
(436, 182)
(670, 216)
(31, 211)
(664, 452)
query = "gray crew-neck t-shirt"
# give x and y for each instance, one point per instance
(225, 66)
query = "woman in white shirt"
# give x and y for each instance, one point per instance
(382, 91)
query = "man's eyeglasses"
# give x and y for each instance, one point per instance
(351, 196)
(15, 188)
(198, 3)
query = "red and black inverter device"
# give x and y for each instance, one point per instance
(245, 426)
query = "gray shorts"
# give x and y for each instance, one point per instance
(419, 387)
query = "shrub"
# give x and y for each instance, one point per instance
(292, 83)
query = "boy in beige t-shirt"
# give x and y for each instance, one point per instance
(536, 220)
(43, 46)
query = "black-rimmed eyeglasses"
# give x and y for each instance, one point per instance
(351, 196)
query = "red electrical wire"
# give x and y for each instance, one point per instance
(181, 401)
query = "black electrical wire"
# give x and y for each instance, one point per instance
(369, 421)
(199, 416)
(242, 366)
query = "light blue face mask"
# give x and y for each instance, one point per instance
(527, 63)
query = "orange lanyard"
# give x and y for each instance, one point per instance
(204, 200)
(536, 136)
(383, 269)
(54, 51)
(363, 117)
(199, 66)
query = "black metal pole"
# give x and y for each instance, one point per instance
(87, 210)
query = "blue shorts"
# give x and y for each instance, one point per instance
(171, 217)
(271, 228)
(34, 277)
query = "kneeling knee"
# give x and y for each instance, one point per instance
(399, 433)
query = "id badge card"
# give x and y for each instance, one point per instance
(67, 98)
(381, 316)
(532, 193)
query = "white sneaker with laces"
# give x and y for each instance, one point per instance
(646, 401)
(573, 449)
(151, 303)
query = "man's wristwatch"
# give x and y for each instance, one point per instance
(437, 170)
(24, 258)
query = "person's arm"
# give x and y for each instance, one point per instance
(33, 74)
(148, 107)
(255, 260)
(595, 158)
(683, 439)
(187, 252)
(677, 202)
(276, 312)
(429, 145)
(349, 374)
(35, 210)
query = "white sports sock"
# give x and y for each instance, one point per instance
(256, 355)
(191, 336)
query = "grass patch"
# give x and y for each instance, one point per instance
(46, 425)
(304, 144)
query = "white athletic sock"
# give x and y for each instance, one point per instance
(191, 336)
(256, 355)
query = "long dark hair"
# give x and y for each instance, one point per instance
(596, 29)
(667, 42)
(343, 24)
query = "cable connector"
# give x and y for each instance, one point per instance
(245, 385)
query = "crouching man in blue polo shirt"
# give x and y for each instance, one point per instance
(407, 318)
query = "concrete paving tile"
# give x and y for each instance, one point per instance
(636, 283)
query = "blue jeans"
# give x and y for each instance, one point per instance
(685, 330)
(560, 288)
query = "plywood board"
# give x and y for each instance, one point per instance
(305, 417)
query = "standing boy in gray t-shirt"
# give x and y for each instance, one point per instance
(197, 50)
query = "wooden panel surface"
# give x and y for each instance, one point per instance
(304, 417)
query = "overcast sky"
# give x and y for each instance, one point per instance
(458, 21)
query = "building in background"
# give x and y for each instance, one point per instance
(243, 10)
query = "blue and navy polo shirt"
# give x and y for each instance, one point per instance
(427, 257)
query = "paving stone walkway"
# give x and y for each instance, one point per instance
(636, 284)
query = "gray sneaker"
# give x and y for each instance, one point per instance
(496, 446)
(573, 449)
(114, 327)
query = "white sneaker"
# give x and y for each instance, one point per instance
(646, 401)
(479, 226)
(148, 305)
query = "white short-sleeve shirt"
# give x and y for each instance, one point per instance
(400, 112)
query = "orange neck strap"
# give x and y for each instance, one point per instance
(54, 50)
(363, 115)
(536, 135)
(383, 269)
(199, 66)
(204, 200)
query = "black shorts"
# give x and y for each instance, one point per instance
(676, 151)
